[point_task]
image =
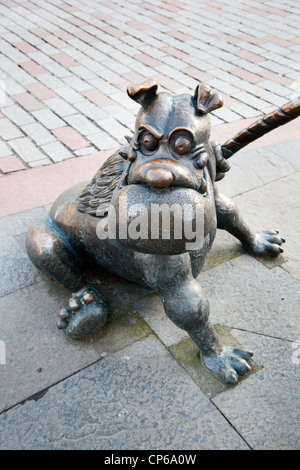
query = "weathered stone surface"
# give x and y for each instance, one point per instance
(253, 169)
(264, 409)
(277, 206)
(288, 150)
(16, 270)
(39, 355)
(224, 248)
(138, 398)
(244, 294)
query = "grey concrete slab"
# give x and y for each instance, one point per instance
(19, 223)
(254, 168)
(264, 408)
(224, 248)
(138, 398)
(16, 270)
(245, 294)
(289, 151)
(39, 355)
(276, 205)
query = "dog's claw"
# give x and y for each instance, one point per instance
(266, 242)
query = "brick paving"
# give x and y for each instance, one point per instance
(65, 67)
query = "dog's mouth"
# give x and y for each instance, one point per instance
(169, 220)
(161, 174)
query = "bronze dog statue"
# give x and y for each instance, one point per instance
(169, 160)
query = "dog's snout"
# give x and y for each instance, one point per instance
(159, 178)
(163, 173)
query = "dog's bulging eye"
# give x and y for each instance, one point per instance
(182, 145)
(149, 142)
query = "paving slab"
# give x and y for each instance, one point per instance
(19, 223)
(254, 168)
(35, 345)
(16, 270)
(138, 398)
(288, 150)
(276, 206)
(152, 310)
(264, 409)
(245, 294)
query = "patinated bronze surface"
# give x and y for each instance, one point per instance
(168, 161)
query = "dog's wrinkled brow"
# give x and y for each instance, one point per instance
(182, 129)
(154, 132)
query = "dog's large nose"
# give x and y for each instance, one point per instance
(159, 178)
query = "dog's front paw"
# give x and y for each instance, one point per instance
(222, 165)
(266, 243)
(87, 313)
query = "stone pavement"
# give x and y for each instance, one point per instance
(138, 383)
(65, 67)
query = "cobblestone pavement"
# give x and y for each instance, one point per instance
(65, 67)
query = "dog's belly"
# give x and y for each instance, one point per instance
(81, 231)
(172, 221)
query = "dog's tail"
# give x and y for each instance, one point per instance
(286, 113)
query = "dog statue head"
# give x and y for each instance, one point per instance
(170, 146)
(168, 163)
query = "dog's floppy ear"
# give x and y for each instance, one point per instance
(144, 94)
(207, 100)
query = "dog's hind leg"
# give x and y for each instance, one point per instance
(50, 250)
(187, 306)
